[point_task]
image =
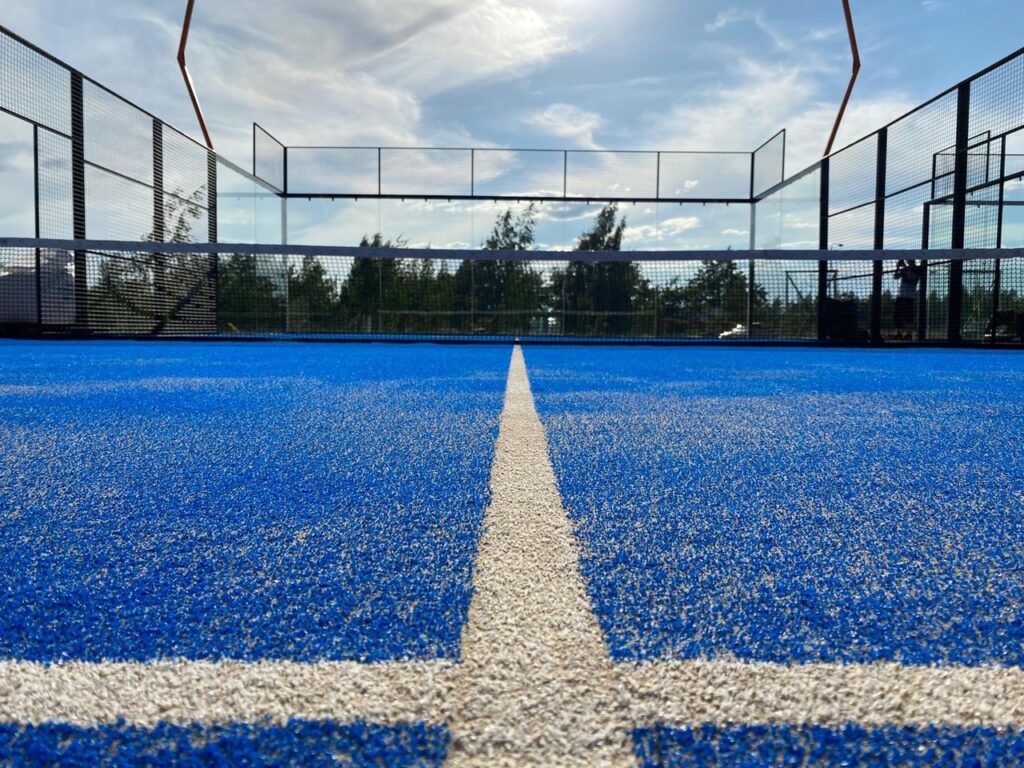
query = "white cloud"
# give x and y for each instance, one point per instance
(567, 122)
(765, 98)
(321, 73)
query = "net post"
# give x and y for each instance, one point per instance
(879, 237)
(78, 198)
(956, 267)
(823, 245)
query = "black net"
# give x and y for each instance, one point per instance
(580, 295)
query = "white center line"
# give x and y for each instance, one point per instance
(536, 685)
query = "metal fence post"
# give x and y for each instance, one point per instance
(922, 309)
(159, 226)
(78, 199)
(823, 245)
(997, 281)
(38, 255)
(956, 267)
(211, 232)
(657, 176)
(565, 173)
(879, 237)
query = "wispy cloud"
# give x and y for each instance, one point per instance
(731, 16)
(567, 122)
(763, 96)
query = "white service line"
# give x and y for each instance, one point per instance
(535, 685)
(886, 693)
(183, 692)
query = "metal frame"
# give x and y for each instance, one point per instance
(289, 192)
(80, 246)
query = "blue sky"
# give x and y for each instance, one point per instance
(647, 74)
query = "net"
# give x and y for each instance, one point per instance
(238, 290)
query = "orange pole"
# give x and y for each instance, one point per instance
(853, 77)
(187, 77)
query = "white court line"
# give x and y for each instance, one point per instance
(183, 692)
(535, 685)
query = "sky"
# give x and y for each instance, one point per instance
(588, 74)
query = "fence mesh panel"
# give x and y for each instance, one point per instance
(33, 86)
(338, 170)
(268, 158)
(687, 175)
(769, 163)
(518, 173)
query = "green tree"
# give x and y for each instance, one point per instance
(603, 298)
(250, 300)
(713, 300)
(313, 301)
(152, 292)
(373, 290)
(503, 295)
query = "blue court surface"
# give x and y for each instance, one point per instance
(208, 501)
(794, 505)
(298, 743)
(323, 502)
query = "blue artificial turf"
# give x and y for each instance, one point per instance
(244, 501)
(794, 505)
(754, 746)
(298, 743)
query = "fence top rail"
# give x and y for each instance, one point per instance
(340, 147)
(463, 254)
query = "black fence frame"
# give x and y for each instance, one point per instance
(956, 199)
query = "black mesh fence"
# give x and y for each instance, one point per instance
(512, 174)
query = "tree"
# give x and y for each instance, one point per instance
(502, 296)
(713, 299)
(151, 291)
(602, 298)
(249, 300)
(372, 285)
(313, 301)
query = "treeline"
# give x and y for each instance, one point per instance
(485, 296)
